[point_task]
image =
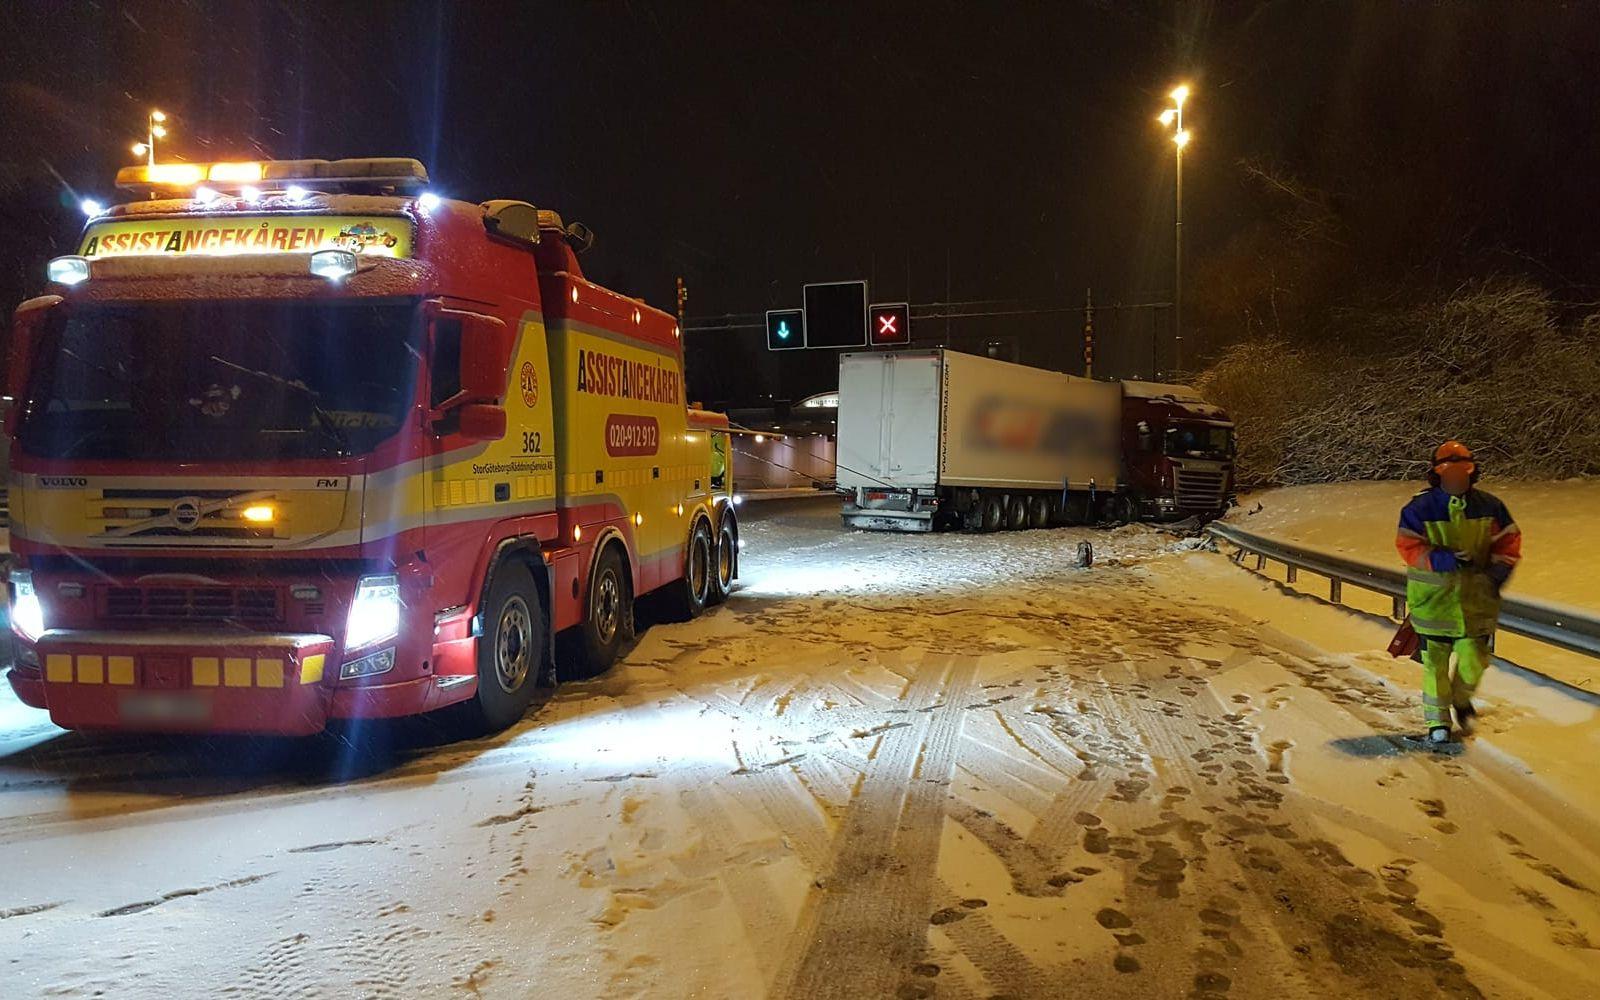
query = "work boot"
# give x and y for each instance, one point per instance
(1466, 717)
(1439, 735)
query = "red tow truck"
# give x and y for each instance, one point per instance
(296, 441)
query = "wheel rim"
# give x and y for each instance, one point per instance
(607, 606)
(697, 566)
(513, 645)
(725, 561)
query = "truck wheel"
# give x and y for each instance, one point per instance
(992, 512)
(1038, 512)
(1016, 513)
(510, 651)
(608, 614)
(692, 591)
(725, 561)
(1124, 509)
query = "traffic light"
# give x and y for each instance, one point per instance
(786, 329)
(890, 324)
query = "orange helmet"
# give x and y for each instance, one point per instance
(1452, 453)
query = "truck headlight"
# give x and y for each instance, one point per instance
(375, 613)
(27, 614)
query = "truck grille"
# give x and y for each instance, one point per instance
(1200, 490)
(254, 605)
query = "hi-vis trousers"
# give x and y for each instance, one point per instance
(1439, 690)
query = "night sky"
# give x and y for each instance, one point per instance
(1003, 152)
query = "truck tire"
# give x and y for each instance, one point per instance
(690, 593)
(1016, 512)
(1124, 509)
(992, 512)
(510, 651)
(607, 614)
(1038, 511)
(724, 561)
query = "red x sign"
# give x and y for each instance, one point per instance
(891, 324)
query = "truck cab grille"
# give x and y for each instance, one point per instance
(1200, 490)
(248, 605)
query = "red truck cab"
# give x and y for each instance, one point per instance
(1178, 453)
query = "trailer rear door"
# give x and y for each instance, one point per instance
(889, 420)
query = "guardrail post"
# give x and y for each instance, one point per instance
(1238, 554)
(1261, 562)
(1292, 572)
(1399, 607)
(1336, 590)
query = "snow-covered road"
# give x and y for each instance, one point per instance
(891, 766)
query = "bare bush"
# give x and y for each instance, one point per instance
(1487, 365)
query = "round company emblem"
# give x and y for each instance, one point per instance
(530, 384)
(186, 513)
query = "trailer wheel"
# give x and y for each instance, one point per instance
(1016, 513)
(725, 561)
(510, 651)
(992, 511)
(1038, 512)
(608, 614)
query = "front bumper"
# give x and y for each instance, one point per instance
(182, 682)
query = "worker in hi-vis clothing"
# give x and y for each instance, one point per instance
(1461, 545)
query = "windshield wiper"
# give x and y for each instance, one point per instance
(323, 418)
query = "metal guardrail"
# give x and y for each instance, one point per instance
(1566, 628)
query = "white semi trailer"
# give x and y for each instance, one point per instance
(935, 438)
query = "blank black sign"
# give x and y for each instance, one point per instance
(836, 314)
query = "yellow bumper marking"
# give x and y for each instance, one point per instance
(119, 669)
(91, 670)
(236, 671)
(205, 671)
(58, 668)
(311, 669)
(269, 673)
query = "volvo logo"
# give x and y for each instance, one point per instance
(186, 513)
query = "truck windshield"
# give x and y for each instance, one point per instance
(210, 381)
(1200, 441)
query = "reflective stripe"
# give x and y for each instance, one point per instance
(1434, 702)
(1435, 627)
(1429, 577)
(1510, 529)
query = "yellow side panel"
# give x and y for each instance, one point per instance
(58, 668)
(91, 670)
(311, 669)
(236, 672)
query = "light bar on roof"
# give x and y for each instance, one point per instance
(392, 173)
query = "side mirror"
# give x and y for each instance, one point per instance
(485, 357)
(27, 327)
(483, 422)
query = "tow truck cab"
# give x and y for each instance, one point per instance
(299, 440)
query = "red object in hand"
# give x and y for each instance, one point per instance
(1406, 642)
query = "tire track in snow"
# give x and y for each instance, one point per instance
(866, 923)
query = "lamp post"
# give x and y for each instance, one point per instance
(154, 129)
(1173, 118)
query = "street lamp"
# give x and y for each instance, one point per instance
(154, 129)
(1173, 118)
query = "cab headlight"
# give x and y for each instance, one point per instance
(375, 612)
(27, 614)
